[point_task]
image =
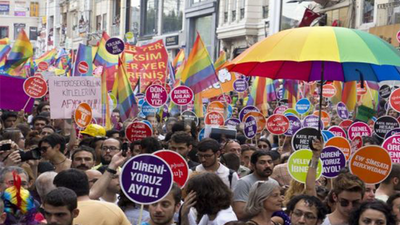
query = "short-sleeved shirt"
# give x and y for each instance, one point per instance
(223, 173)
(241, 192)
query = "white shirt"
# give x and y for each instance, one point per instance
(223, 173)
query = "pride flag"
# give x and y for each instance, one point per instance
(221, 61)
(48, 57)
(338, 96)
(83, 64)
(62, 59)
(4, 50)
(21, 51)
(198, 105)
(179, 58)
(105, 101)
(199, 72)
(258, 95)
(291, 91)
(371, 98)
(349, 95)
(102, 57)
(122, 89)
(4, 41)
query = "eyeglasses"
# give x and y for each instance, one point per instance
(43, 149)
(307, 215)
(206, 156)
(345, 203)
(111, 148)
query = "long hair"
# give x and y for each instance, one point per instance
(259, 192)
(375, 205)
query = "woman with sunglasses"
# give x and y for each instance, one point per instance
(372, 213)
(264, 199)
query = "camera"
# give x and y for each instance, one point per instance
(5, 147)
(33, 154)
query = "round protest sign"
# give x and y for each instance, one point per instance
(250, 127)
(325, 118)
(201, 134)
(303, 105)
(43, 66)
(83, 115)
(232, 122)
(294, 125)
(333, 160)
(345, 124)
(178, 165)
(340, 143)
(312, 121)
(156, 95)
(225, 98)
(280, 109)
(392, 132)
(35, 87)
(246, 110)
(394, 100)
(129, 35)
(115, 46)
(392, 145)
(289, 112)
(338, 131)
(384, 124)
(261, 122)
(181, 95)
(298, 165)
(384, 91)
(356, 144)
(301, 138)
(240, 85)
(214, 118)
(146, 179)
(327, 135)
(372, 164)
(328, 91)
(83, 67)
(147, 109)
(359, 129)
(190, 116)
(342, 111)
(216, 106)
(137, 131)
(277, 124)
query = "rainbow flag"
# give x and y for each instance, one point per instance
(179, 58)
(4, 50)
(291, 91)
(338, 96)
(349, 95)
(221, 61)
(83, 64)
(105, 101)
(199, 72)
(371, 98)
(102, 57)
(21, 51)
(48, 57)
(258, 94)
(198, 105)
(62, 59)
(272, 85)
(4, 41)
(122, 89)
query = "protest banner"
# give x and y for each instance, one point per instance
(178, 165)
(384, 91)
(303, 105)
(250, 127)
(392, 145)
(298, 165)
(181, 95)
(341, 143)
(190, 116)
(359, 129)
(338, 131)
(261, 122)
(115, 46)
(333, 160)
(146, 179)
(137, 131)
(83, 115)
(312, 121)
(13, 88)
(156, 95)
(394, 100)
(277, 124)
(342, 111)
(214, 118)
(280, 109)
(225, 84)
(247, 109)
(301, 139)
(328, 91)
(216, 106)
(384, 124)
(294, 125)
(240, 85)
(35, 87)
(372, 164)
(149, 62)
(68, 92)
(232, 122)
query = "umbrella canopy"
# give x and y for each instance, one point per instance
(303, 53)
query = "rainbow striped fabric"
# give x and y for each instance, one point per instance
(48, 57)
(349, 95)
(199, 72)
(105, 101)
(4, 50)
(83, 61)
(258, 95)
(221, 61)
(179, 58)
(102, 57)
(21, 51)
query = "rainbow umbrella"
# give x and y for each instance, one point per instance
(320, 53)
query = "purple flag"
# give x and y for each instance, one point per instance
(12, 95)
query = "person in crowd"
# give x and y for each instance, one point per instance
(150, 145)
(231, 146)
(394, 204)
(39, 122)
(376, 213)
(44, 184)
(111, 193)
(7, 179)
(46, 130)
(245, 155)
(52, 148)
(264, 144)
(96, 143)
(135, 148)
(83, 158)
(93, 130)
(9, 119)
(182, 143)
(132, 210)
(370, 190)
(390, 185)
(3, 215)
(93, 176)
(231, 161)
(60, 206)
(306, 210)
(109, 148)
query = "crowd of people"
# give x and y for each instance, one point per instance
(53, 173)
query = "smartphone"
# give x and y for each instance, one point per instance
(5, 147)
(124, 149)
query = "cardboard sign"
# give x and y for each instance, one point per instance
(298, 165)
(345, 124)
(214, 118)
(303, 105)
(333, 160)
(384, 124)
(325, 117)
(146, 179)
(240, 85)
(83, 115)
(68, 92)
(394, 100)
(328, 91)
(35, 87)
(338, 131)
(277, 124)
(392, 145)
(261, 122)
(178, 165)
(232, 122)
(137, 131)
(372, 164)
(342, 111)
(115, 46)
(340, 143)
(156, 95)
(301, 139)
(250, 127)
(359, 129)
(294, 125)
(384, 91)
(190, 116)
(395, 131)
(43, 66)
(247, 109)
(312, 121)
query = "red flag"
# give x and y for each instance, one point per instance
(308, 17)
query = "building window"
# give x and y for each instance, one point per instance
(33, 33)
(116, 12)
(4, 8)
(172, 16)
(265, 9)
(98, 22)
(202, 26)
(3, 32)
(150, 13)
(233, 15)
(241, 13)
(104, 21)
(368, 11)
(225, 17)
(34, 9)
(17, 29)
(242, 7)
(135, 16)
